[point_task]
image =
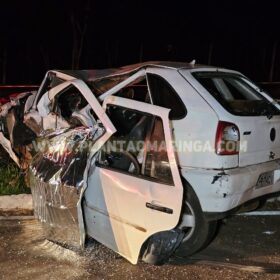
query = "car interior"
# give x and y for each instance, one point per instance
(71, 105)
(131, 149)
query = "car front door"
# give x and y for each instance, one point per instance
(133, 193)
(58, 172)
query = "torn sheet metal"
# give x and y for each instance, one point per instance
(161, 246)
(34, 121)
(53, 121)
(43, 105)
(4, 109)
(102, 80)
(56, 178)
(98, 74)
(219, 176)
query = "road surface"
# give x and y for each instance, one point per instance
(245, 248)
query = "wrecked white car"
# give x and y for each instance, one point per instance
(145, 158)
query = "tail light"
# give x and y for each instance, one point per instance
(227, 139)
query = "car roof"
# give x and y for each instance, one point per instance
(98, 74)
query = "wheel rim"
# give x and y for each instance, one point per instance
(187, 224)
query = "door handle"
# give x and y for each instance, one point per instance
(159, 208)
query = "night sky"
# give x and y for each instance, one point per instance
(46, 34)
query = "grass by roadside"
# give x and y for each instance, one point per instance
(11, 177)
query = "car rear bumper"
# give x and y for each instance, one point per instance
(224, 190)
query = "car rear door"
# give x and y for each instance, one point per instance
(122, 210)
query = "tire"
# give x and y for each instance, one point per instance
(198, 231)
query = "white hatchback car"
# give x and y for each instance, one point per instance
(145, 158)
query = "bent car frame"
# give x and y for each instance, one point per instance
(145, 158)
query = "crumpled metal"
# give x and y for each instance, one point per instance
(160, 246)
(56, 178)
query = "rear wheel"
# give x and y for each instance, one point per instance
(198, 231)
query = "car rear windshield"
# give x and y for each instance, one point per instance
(235, 94)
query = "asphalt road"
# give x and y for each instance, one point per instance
(245, 248)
